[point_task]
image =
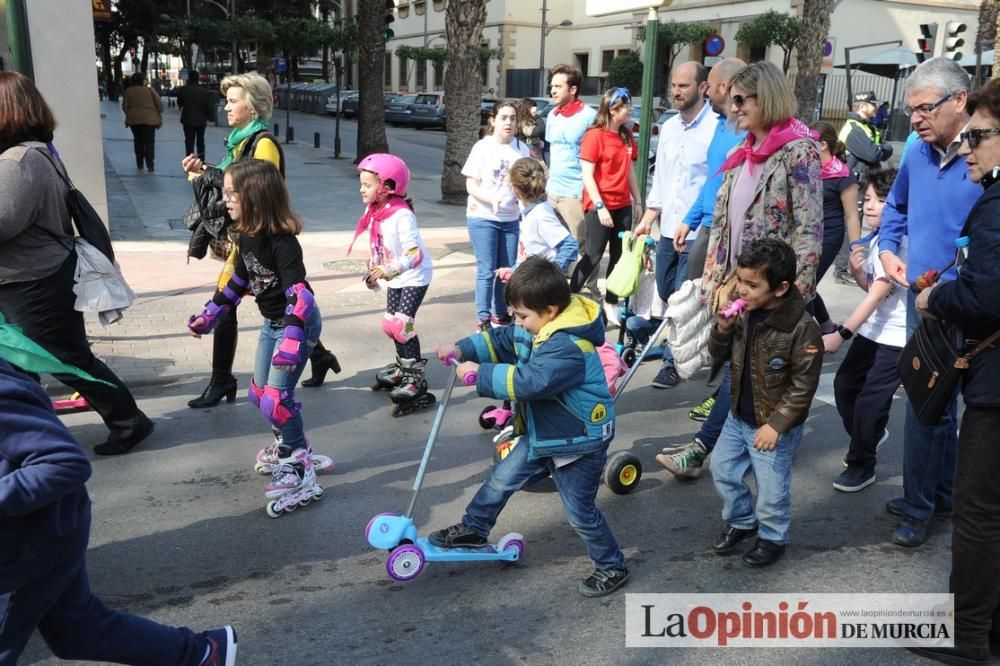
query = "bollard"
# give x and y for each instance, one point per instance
(277, 129)
(315, 139)
(290, 135)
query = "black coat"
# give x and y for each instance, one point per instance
(197, 105)
(973, 300)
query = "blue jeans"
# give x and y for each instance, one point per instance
(928, 451)
(671, 272)
(733, 457)
(77, 625)
(271, 332)
(711, 428)
(577, 483)
(495, 246)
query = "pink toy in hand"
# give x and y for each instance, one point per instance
(734, 308)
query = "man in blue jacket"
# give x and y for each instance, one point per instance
(44, 530)
(929, 201)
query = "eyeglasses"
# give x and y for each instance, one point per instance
(740, 100)
(926, 109)
(620, 94)
(975, 136)
(228, 194)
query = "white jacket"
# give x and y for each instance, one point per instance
(100, 286)
(689, 323)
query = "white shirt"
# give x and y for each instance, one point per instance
(400, 233)
(540, 233)
(681, 168)
(489, 162)
(887, 325)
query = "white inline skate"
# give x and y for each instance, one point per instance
(294, 485)
(270, 457)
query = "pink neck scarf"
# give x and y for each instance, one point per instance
(372, 219)
(780, 134)
(834, 168)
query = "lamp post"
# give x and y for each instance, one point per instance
(545, 30)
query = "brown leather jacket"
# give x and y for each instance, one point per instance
(786, 359)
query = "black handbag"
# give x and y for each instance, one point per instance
(89, 225)
(931, 368)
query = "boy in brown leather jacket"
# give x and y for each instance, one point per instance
(776, 351)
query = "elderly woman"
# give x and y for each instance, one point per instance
(973, 301)
(248, 108)
(38, 260)
(143, 115)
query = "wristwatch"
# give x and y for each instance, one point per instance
(598, 205)
(845, 333)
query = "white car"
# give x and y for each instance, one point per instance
(331, 101)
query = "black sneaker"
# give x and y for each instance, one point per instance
(602, 583)
(666, 378)
(457, 536)
(851, 480)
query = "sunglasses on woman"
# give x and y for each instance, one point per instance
(740, 100)
(620, 94)
(975, 136)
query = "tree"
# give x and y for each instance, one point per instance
(815, 27)
(671, 37)
(464, 21)
(986, 34)
(769, 28)
(625, 71)
(371, 72)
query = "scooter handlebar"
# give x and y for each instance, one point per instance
(648, 240)
(469, 379)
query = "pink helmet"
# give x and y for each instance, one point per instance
(388, 167)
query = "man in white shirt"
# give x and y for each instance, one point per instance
(681, 170)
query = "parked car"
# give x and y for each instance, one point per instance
(428, 110)
(654, 138)
(486, 106)
(399, 110)
(331, 101)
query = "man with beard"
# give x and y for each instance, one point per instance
(682, 167)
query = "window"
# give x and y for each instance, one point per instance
(484, 66)
(421, 75)
(404, 83)
(387, 69)
(606, 58)
(438, 74)
(583, 62)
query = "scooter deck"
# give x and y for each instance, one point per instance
(488, 552)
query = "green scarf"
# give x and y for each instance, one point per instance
(238, 136)
(18, 349)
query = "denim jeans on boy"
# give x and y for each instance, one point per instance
(577, 482)
(495, 246)
(928, 451)
(76, 625)
(264, 373)
(734, 456)
(671, 273)
(711, 428)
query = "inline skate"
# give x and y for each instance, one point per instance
(389, 377)
(277, 453)
(411, 394)
(294, 485)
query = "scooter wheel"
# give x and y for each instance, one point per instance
(629, 357)
(487, 423)
(622, 473)
(405, 562)
(368, 527)
(512, 542)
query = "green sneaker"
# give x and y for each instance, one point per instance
(686, 463)
(701, 412)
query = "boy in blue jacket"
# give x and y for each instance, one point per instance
(44, 529)
(547, 364)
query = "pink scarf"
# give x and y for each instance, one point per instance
(834, 168)
(780, 134)
(372, 217)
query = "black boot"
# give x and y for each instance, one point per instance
(322, 361)
(214, 392)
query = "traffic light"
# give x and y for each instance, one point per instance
(952, 41)
(390, 6)
(925, 45)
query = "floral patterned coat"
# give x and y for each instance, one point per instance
(788, 204)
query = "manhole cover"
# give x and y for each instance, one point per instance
(347, 265)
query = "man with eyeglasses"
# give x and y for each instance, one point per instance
(928, 204)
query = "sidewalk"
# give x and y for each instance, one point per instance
(151, 345)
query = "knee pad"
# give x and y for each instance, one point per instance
(304, 302)
(399, 327)
(254, 394)
(271, 406)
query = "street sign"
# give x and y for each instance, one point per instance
(282, 66)
(829, 49)
(714, 45)
(101, 9)
(605, 7)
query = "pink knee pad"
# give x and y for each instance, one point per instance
(254, 394)
(272, 408)
(399, 327)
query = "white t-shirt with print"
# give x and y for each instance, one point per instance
(887, 325)
(540, 232)
(399, 232)
(489, 162)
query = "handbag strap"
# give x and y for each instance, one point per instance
(978, 348)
